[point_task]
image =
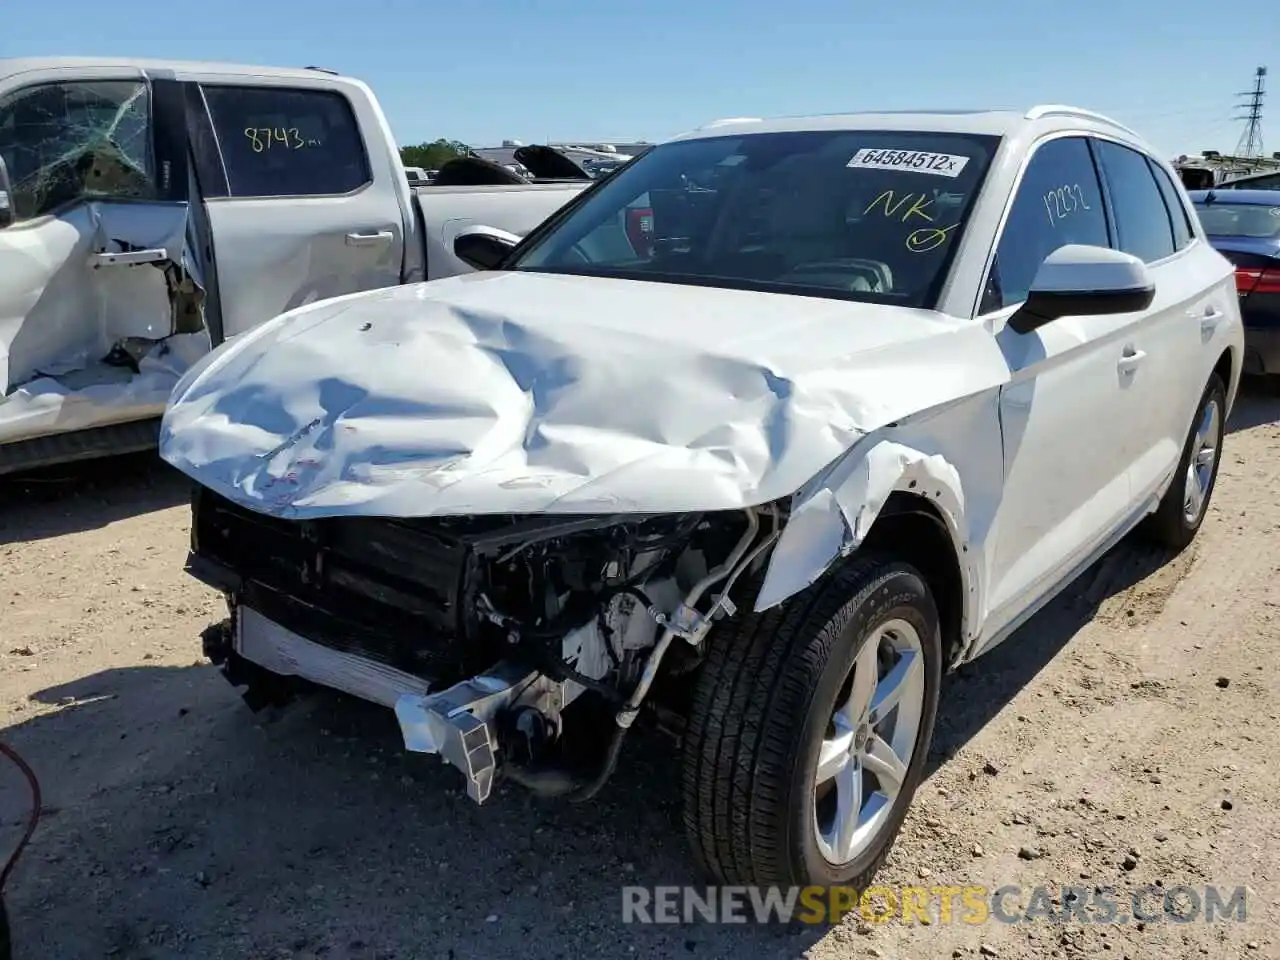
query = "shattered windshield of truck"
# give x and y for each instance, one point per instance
(857, 215)
(66, 142)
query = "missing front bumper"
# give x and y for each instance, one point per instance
(458, 723)
(283, 652)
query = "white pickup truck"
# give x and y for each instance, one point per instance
(150, 210)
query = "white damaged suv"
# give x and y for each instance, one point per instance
(752, 441)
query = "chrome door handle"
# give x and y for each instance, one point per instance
(1130, 361)
(369, 239)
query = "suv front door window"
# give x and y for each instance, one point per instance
(1059, 202)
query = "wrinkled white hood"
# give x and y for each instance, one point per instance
(523, 393)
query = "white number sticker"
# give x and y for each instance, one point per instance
(913, 161)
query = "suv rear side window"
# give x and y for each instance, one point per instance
(1142, 222)
(1058, 202)
(1182, 232)
(287, 142)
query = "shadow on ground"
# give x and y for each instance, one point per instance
(86, 495)
(974, 695)
(178, 824)
(978, 691)
(1257, 403)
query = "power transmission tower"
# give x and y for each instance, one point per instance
(1250, 144)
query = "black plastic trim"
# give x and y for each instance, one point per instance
(1042, 307)
(91, 444)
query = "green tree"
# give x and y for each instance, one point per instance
(430, 156)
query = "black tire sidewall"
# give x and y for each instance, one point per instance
(900, 594)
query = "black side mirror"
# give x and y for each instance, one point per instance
(483, 248)
(7, 214)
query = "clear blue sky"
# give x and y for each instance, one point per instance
(621, 69)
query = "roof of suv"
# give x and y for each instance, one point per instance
(13, 66)
(989, 122)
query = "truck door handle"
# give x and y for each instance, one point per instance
(375, 239)
(129, 258)
(1130, 361)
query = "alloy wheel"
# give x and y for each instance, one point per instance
(1204, 456)
(869, 742)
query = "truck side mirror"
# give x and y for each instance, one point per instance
(483, 247)
(7, 214)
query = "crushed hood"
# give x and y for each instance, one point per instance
(525, 392)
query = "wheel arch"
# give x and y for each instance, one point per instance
(1228, 371)
(892, 499)
(914, 530)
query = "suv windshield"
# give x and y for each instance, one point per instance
(1240, 219)
(855, 215)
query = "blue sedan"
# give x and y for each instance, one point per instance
(1244, 226)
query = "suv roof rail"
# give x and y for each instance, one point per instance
(724, 121)
(322, 70)
(1065, 110)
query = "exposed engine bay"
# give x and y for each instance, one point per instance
(501, 642)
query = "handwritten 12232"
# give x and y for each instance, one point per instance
(1061, 202)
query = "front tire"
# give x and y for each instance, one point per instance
(809, 729)
(1184, 505)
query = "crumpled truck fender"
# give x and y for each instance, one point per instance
(952, 458)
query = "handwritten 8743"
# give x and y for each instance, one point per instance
(280, 138)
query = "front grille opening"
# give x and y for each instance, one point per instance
(388, 590)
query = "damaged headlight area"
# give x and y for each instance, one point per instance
(517, 644)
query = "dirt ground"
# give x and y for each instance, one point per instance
(1097, 746)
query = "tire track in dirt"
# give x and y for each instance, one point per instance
(1142, 602)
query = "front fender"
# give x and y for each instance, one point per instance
(829, 520)
(953, 459)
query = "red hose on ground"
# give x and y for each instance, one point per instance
(27, 772)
